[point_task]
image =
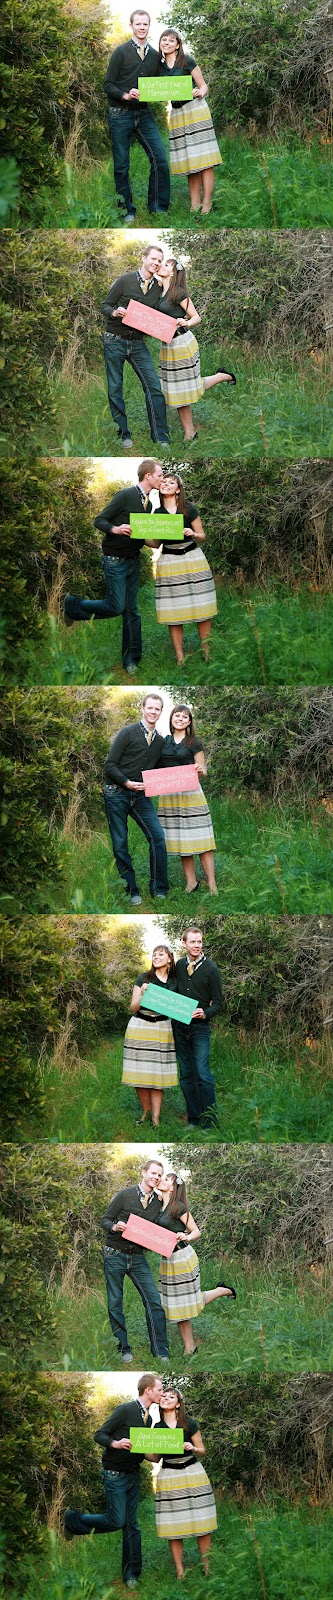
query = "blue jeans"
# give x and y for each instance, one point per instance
(122, 580)
(122, 1497)
(192, 1049)
(120, 804)
(137, 122)
(117, 1266)
(118, 350)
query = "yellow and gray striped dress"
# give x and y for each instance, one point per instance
(179, 365)
(149, 1060)
(184, 1500)
(193, 145)
(185, 818)
(185, 588)
(179, 1278)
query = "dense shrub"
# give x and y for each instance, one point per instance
(52, 66)
(47, 1449)
(267, 520)
(276, 971)
(269, 1435)
(280, 744)
(267, 61)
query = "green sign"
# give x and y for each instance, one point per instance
(178, 1006)
(167, 526)
(166, 88)
(165, 1442)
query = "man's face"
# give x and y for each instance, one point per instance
(140, 26)
(151, 263)
(155, 1392)
(193, 944)
(152, 710)
(153, 1174)
(155, 477)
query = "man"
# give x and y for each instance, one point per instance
(135, 747)
(121, 1470)
(121, 564)
(199, 978)
(128, 344)
(128, 119)
(123, 1259)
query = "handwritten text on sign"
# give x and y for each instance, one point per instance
(149, 1235)
(163, 1441)
(176, 88)
(170, 526)
(171, 780)
(178, 1006)
(147, 320)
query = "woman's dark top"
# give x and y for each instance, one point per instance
(178, 72)
(179, 755)
(174, 1224)
(173, 308)
(188, 1459)
(153, 1016)
(169, 547)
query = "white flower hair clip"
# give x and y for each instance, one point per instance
(180, 264)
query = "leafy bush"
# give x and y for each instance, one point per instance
(47, 1451)
(267, 62)
(279, 744)
(277, 972)
(42, 90)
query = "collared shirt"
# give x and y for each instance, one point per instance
(145, 283)
(146, 730)
(138, 47)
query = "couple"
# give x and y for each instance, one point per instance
(184, 1501)
(193, 147)
(185, 589)
(183, 824)
(158, 1198)
(153, 1043)
(160, 284)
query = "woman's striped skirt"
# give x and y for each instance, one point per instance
(149, 1055)
(192, 142)
(179, 370)
(185, 588)
(185, 1502)
(187, 823)
(179, 1285)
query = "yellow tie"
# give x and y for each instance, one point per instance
(145, 1419)
(190, 968)
(141, 51)
(149, 739)
(144, 1201)
(146, 502)
(145, 286)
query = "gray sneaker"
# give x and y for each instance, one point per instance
(131, 1583)
(127, 441)
(136, 899)
(128, 219)
(127, 1356)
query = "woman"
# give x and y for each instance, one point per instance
(185, 587)
(193, 147)
(186, 818)
(179, 362)
(179, 1281)
(150, 1064)
(184, 1500)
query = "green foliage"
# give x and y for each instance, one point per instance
(276, 971)
(9, 186)
(267, 62)
(277, 744)
(275, 518)
(262, 1433)
(46, 1426)
(47, 94)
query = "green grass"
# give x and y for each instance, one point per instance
(280, 407)
(262, 637)
(275, 183)
(266, 1091)
(267, 859)
(279, 1323)
(288, 1550)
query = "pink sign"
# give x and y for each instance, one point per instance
(171, 780)
(162, 1240)
(149, 321)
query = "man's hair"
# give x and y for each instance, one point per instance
(139, 13)
(146, 466)
(148, 250)
(152, 696)
(192, 930)
(147, 1381)
(152, 1163)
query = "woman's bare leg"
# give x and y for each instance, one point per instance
(194, 183)
(217, 377)
(176, 634)
(204, 1544)
(216, 1294)
(186, 1334)
(208, 181)
(204, 629)
(207, 862)
(156, 1096)
(144, 1097)
(189, 868)
(186, 419)
(176, 1547)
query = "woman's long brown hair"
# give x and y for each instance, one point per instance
(182, 1419)
(183, 505)
(180, 53)
(178, 1202)
(190, 732)
(178, 287)
(151, 974)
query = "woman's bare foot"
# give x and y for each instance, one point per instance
(213, 889)
(205, 210)
(205, 651)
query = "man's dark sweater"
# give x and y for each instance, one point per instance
(117, 511)
(128, 287)
(125, 68)
(204, 985)
(119, 1210)
(124, 1417)
(129, 753)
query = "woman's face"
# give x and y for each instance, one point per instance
(166, 1183)
(181, 720)
(169, 485)
(166, 269)
(168, 43)
(160, 956)
(169, 1400)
